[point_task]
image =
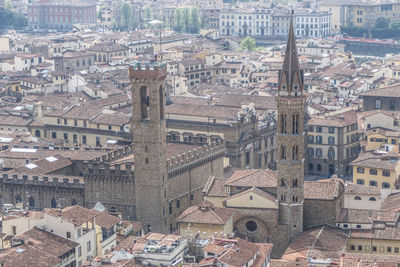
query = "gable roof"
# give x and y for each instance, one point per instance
(74, 214)
(206, 213)
(250, 178)
(255, 190)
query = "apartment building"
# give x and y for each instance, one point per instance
(378, 168)
(333, 142)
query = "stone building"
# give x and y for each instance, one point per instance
(178, 171)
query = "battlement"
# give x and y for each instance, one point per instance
(42, 180)
(193, 157)
(139, 72)
(102, 164)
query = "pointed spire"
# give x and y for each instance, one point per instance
(291, 77)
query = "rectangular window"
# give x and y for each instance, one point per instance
(331, 130)
(319, 129)
(53, 135)
(79, 232)
(75, 138)
(247, 157)
(75, 122)
(65, 122)
(89, 246)
(97, 141)
(65, 136)
(68, 234)
(79, 251)
(84, 123)
(377, 104)
(84, 139)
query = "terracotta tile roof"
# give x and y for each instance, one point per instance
(320, 242)
(117, 119)
(388, 91)
(382, 160)
(106, 220)
(383, 131)
(204, 111)
(48, 242)
(174, 149)
(234, 100)
(356, 216)
(392, 202)
(46, 165)
(206, 213)
(250, 178)
(74, 214)
(27, 255)
(325, 189)
(215, 187)
(338, 120)
(362, 189)
(380, 231)
(234, 252)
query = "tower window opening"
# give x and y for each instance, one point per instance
(295, 153)
(283, 183)
(283, 123)
(144, 102)
(283, 198)
(295, 183)
(283, 152)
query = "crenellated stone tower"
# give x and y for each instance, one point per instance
(290, 142)
(149, 144)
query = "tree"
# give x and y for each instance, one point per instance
(194, 20)
(381, 23)
(125, 16)
(186, 19)
(178, 20)
(248, 44)
(148, 13)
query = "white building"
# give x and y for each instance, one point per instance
(26, 61)
(243, 22)
(312, 23)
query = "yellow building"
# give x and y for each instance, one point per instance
(106, 237)
(206, 221)
(377, 169)
(81, 125)
(383, 139)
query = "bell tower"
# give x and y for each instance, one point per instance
(149, 143)
(290, 159)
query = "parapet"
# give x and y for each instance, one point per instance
(101, 165)
(48, 180)
(196, 156)
(139, 72)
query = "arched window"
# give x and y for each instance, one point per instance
(386, 173)
(310, 167)
(357, 198)
(373, 171)
(144, 102)
(18, 199)
(73, 202)
(283, 198)
(372, 199)
(294, 199)
(31, 202)
(37, 133)
(331, 153)
(53, 204)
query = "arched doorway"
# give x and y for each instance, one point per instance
(331, 169)
(53, 204)
(31, 202)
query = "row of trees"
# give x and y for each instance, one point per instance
(10, 18)
(187, 20)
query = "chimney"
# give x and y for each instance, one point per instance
(359, 263)
(342, 260)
